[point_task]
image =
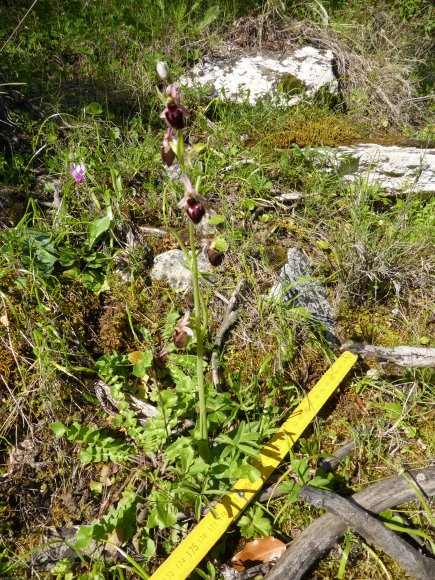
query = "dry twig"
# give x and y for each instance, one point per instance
(404, 356)
(324, 533)
(230, 316)
(372, 530)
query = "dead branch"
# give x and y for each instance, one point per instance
(323, 534)
(230, 316)
(372, 530)
(110, 404)
(332, 462)
(404, 356)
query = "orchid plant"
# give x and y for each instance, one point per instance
(194, 206)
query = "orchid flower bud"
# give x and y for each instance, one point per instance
(162, 70)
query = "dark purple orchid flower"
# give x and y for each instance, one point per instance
(174, 113)
(192, 202)
(182, 333)
(78, 171)
(214, 256)
(166, 151)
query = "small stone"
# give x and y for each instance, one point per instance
(171, 267)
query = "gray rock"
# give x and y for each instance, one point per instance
(236, 75)
(171, 267)
(293, 286)
(59, 541)
(395, 169)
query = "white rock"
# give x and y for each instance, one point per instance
(395, 169)
(172, 268)
(238, 76)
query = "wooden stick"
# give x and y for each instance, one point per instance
(372, 530)
(323, 534)
(404, 356)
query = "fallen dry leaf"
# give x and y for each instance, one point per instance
(258, 552)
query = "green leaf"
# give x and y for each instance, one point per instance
(95, 281)
(96, 229)
(251, 472)
(84, 537)
(58, 429)
(67, 256)
(424, 340)
(249, 204)
(394, 410)
(94, 108)
(198, 147)
(254, 524)
(96, 486)
(322, 245)
(217, 219)
(162, 516)
(141, 361)
(221, 244)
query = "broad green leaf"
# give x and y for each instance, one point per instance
(249, 204)
(217, 219)
(394, 410)
(162, 516)
(95, 281)
(322, 245)
(221, 244)
(141, 361)
(83, 537)
(96, 229)
(251, 472)
(58, 429)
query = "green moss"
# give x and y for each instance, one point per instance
(363, 325)
(291, 85)
(329, 130)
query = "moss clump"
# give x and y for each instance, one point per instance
(363, 325)
(291, 85)
(329, 130)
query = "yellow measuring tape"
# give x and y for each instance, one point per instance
(206, 533)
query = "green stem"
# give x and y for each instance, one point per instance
(199, 338)
(204, 312)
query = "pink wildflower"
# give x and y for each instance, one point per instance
(78, 171)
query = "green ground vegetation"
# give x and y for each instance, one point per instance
(79, 310)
